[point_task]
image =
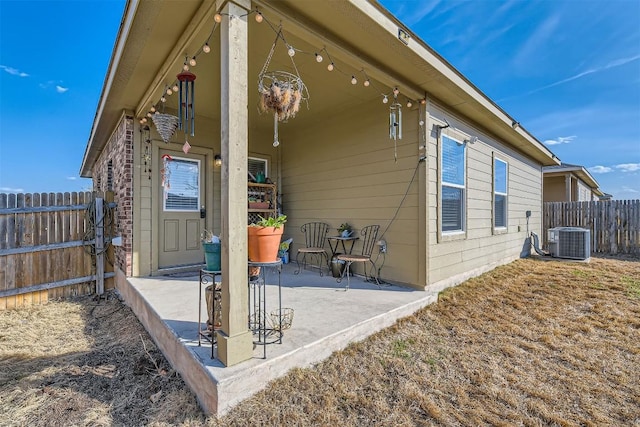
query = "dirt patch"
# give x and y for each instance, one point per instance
(530, 343)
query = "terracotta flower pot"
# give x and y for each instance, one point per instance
(264, 243)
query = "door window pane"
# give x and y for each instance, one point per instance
(182, 185)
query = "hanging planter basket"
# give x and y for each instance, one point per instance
(281, 93)
(166, 125)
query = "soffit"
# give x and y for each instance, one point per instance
(153, 55)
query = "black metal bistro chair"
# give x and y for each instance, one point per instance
(315, 235)
(369, 238)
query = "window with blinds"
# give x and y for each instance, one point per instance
(256, 166)
(499, 193)
(182, 185)
(453, 178)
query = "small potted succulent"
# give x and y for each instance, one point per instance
(345, 230)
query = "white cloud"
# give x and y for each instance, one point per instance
(72, 178)
(560, 140)
(11, 190)
(611, 64)
(600, 169)
(628, 167)
(61, 89)
(14, 71)
(626, 189)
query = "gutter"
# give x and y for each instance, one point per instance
(473, 91)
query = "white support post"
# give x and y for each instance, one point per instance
(235, 341)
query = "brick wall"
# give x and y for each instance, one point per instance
(117, 160)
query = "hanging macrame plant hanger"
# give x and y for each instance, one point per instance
(281, 92)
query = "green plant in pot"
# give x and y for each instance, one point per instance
(212, 250)
(345, 230)
(264, 238)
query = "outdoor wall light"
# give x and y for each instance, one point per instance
(515, 124)
(217, 160)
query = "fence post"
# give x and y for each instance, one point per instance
(99, 224)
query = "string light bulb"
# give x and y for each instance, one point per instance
(163, 99)
(259, 17)
(291, 51)
(144, 120)
(169, 92)
(206, 48)
(175, 87)
(193, 62)
(367, 83)
(141, 122)
(149, 115)
(185, 67)
(423, 101)
(319, 57)
(395, 91)
(409, 104)
(385, 99)
(354, 80)
(330, 67)
(153, 109)
(217, 17)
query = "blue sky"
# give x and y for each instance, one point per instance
(568, 71)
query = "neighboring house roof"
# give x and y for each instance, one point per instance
(577, 170)
(154, 37)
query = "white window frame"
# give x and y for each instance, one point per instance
(165, 192)
(445, 184)
(504, 227)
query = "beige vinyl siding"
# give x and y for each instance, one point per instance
(342, 169)
(451, 261)
(555, 189)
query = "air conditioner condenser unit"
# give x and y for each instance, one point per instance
(569, 242)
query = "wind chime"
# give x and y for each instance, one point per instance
(186, 102)
(395, 122)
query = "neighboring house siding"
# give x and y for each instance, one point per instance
(342, 169)
(584, 192)
(455, 257)
(114, 169)
(555, 189)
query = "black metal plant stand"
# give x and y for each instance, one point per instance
(263, 332)
(208, 277)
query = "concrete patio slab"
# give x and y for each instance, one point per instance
(326, 319)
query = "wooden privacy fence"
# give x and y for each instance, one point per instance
(53, 245)
(614, 224)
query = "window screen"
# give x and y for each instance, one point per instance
(500, 193)
(453, 185)
(182, 185)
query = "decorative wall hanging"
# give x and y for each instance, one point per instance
(166, 125)
(146, 156)
(280, 92)
(165, 173)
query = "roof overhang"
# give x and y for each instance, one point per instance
(578, 171)
(154, 37)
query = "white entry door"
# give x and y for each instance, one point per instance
(181, 199)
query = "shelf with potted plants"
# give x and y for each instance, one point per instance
(262, 200)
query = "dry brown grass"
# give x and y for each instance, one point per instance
(531, 343)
